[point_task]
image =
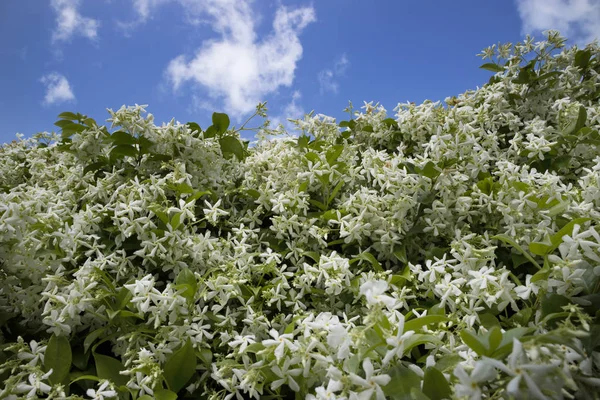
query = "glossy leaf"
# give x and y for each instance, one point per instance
(58, 358)
(231, 145)
(109, 368)
(492, 67)
(435, 385)
(220, 122)
(180, 367)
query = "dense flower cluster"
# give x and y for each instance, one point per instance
(452, 251)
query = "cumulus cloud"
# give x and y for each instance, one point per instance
(58, 89)
(328, 77)
(239, 67)
(292, 110)
(578, 20)
(70, 22)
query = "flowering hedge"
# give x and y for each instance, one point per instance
(449, 251)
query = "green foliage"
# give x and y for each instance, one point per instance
(445, 252)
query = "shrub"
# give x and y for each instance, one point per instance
(449, 252)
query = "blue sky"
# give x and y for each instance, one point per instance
(188, 58)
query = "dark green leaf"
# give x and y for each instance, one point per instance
(94, 167)
(180, 367)
(435, 385)
(210, 132)
(582, 59)
(67, 115)
(121, 137)
(508, 240)
(390, 123)
(164, 394)
(109, 368)
(187, 278)
(333, 153)
(194, 127)
(366, 256)
(488, 320)
(123, 150)
(231, 145)
(91, 338)
(403, 380)
(523, 77)
(58, 357)
(474, 342)
(220, 122)
(492, 67)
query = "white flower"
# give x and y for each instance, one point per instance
(374, 292)
(101, 393)
(37, 354)
(397, 342)
(242, 341)
(281, 341)
(371, 383)
(322, 393)
(519, 370)
(35, 384)
(469, 384)
(213, 212)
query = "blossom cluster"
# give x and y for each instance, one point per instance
(449, 251)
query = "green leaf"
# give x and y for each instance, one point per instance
(348, 124)
(109, 368)
(492, 67)
(403, 380)
(58, 357)
(145, 397)
(91, 338)
(123, 150)
(435, 385)
(390, 123)
(164, 394)
(473, 341)
(540, 249)
(488, 320)
(175, 220)
(335, 191)
(366, 256)
(333, 153)
(86, 378)
(582, 59)
(231, 145)
(94, 167)
(180, 367)
(557, 238)
(429, 170)
(187, 280)
(220, 122)
(210, 132)
(524, 77)
(121, 137)
(67, 115)
(194, 127)
(576, 124)
(418, 323)
(494, 338)
(508, 240)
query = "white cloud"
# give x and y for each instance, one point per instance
(292, 110)
(578, 20)
(238, 67)
(58, 89)
(328, 77)
(70, 22)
